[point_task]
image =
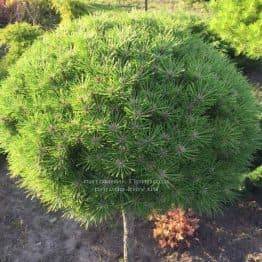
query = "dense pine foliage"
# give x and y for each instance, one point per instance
(124, 97)
(239, 22)
(14, 40)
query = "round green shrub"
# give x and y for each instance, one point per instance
(239, 22)
(125, 110)
(14, 40)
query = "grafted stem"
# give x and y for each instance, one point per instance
(128, 236)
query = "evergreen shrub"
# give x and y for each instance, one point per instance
(14, 40)
(126, 111)
(70, 9)
(239, 22)
(254, 178)
(199, 26)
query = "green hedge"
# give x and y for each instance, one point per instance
(126, 97)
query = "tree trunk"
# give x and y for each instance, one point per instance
(128, 237)
(146, 5)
